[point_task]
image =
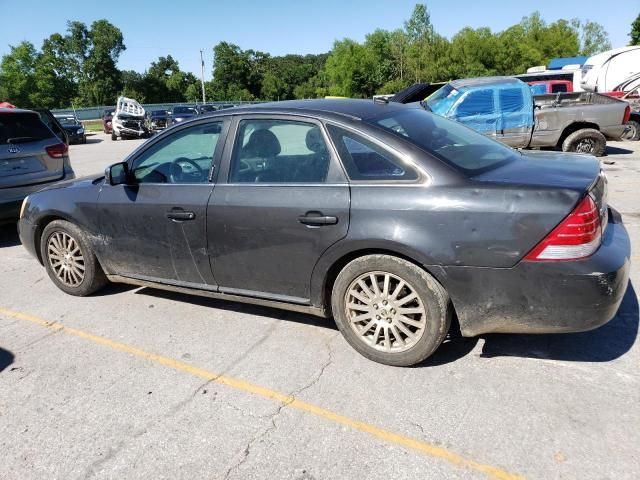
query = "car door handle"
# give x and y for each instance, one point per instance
(317, 219)
(180, 215)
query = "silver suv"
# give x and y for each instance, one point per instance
(31, 156)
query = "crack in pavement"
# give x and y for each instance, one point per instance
(292, 397)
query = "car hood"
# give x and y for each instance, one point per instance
(569, 171)
(84, 182)
(72, 128)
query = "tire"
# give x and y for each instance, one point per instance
(586, 140)
(114, 137)
(60, 239)
(429, 312)
(84, 140)
(634, 133)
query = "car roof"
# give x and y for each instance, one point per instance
(16, 110)
(483, 81)
(351, 108)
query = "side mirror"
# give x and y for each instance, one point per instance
(117, 174)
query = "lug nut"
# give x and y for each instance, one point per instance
(384, 302)
(377, 317)
(375, 305)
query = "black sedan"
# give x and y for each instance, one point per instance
(156, 120)
(180, 113)
(384, 216)
(73, 127)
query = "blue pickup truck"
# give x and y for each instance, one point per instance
(504, 108)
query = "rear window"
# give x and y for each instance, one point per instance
(558, 88)
(449, 141)
(22, 128)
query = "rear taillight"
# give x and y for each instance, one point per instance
(577, 236)
(58, 150)
(627, 115)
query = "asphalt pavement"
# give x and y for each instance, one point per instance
(141, 383)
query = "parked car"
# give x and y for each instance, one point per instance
(605, 71)
(385, 216)
(52, 122)
(73, 127)
(505, 109)
(156, 120)
(206, 108)
(31, 156)
(180, 113)
(542, 87)
(107, 118)
(128, 120)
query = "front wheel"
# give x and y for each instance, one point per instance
(390, 310)
(69, 259)
(114, 137)
(587, 140)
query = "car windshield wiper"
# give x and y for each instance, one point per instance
(15, 140)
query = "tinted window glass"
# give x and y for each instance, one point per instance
(558, 87)
(22, 128)
(511, 100)
(364, 160)
(184, 157)
(450, 141)
(279, 151)
(477, 102)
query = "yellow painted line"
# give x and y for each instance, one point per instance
(289, 401)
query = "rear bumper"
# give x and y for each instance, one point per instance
(11, 198)
(544, 297)
(614, 132)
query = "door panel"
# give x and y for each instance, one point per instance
(258, 244)
(141, 241)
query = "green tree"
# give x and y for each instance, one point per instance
(635, 31)
(593, 37)
(17, 74)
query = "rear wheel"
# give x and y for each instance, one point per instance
(69, 259)
(114, 137)
(634, 131)
(390, 310)
(587, 140)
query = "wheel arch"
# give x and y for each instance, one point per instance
(574, 127)
(330, 265)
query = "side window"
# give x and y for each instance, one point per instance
(511, 100)
(477, 102)
(184, 157)
(365, 160)
(279, 151)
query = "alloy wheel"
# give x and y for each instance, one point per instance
(65, 258)
(586, 145)
(385, 312)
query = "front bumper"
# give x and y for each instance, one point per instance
(544, 297)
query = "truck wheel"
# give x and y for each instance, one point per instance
(587, 140)
(634, 131)
(114, 137)
(390, 310)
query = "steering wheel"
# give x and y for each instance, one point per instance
(178, 175)
(244, 166)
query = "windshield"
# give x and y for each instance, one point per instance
(158, 113)
(442, 100)
(190, 110)
(67, 120)
(451, 142)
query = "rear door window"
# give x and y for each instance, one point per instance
(364, 160)
(21, 127)
(511, 100)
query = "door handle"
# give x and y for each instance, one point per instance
(317, 219)
(180, 215)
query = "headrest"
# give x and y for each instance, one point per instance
(262, 143)
(315, 142)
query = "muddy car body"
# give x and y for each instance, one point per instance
(385, 216)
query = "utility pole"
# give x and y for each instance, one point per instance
(204, 100)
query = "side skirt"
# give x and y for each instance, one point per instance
(311, 310)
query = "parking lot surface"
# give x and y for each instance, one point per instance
(140, 383)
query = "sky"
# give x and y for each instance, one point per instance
(182, 28)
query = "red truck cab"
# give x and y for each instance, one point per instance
(542, 87)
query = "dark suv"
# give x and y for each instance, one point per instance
(31, 156)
